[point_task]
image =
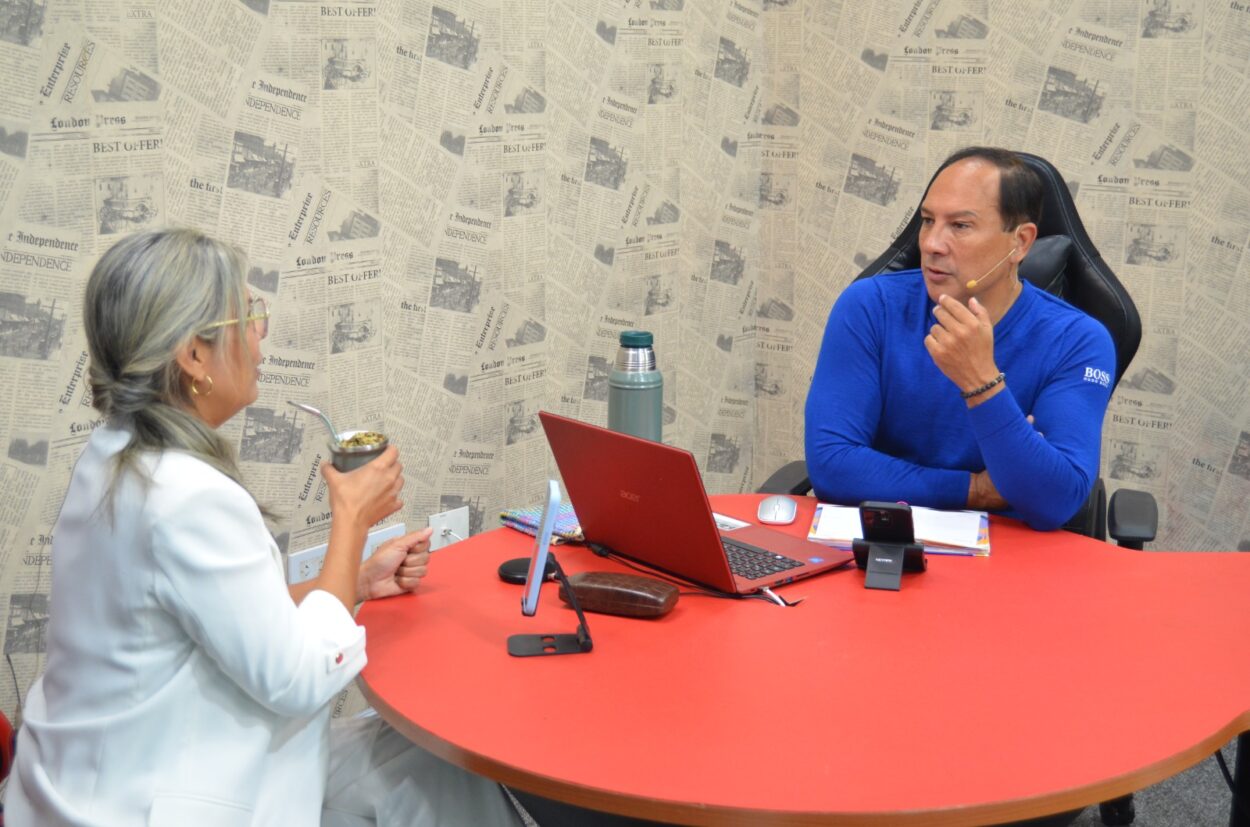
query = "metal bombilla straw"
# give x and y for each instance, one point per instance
(334, 434)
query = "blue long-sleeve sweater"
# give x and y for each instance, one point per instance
(884, 423)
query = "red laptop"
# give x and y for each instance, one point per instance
(645, 500)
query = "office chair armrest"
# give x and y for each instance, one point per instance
(1132, 518)
(790, 478)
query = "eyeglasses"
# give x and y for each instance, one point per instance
(257, 315)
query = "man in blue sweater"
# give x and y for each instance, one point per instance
(958, 385)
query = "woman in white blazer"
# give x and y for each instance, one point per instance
(186, 684)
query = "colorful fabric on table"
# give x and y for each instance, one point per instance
(567, 528)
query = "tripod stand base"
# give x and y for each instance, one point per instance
(526, 646)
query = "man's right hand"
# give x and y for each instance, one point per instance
(983, 496)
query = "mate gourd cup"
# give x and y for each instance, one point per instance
(355, 448)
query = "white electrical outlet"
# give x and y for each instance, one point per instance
(449, 527)
(306, 564)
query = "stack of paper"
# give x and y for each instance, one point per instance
(941, 532)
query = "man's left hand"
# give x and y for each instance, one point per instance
(962, 344)
(396, 566)
(983, 495)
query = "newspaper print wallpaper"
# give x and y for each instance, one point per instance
(456, 206)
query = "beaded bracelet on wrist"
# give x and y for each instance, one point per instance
(983, 388)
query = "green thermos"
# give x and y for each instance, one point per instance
(636, 388)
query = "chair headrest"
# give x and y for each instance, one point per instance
(1046, 265)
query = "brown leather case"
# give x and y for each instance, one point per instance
(617, 593)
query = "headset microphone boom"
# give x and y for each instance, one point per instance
(972, 285)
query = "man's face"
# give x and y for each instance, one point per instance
(961, 233)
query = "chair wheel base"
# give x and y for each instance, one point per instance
(1119, 811)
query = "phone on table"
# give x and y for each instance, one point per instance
(888, 524)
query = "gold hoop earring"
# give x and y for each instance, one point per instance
(195, 391)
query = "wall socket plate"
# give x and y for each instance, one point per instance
(455, 521)
(306, 564)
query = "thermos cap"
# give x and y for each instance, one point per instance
(636, 338)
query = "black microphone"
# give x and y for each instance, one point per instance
(973, 284)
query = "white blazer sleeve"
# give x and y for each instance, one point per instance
(216, 573)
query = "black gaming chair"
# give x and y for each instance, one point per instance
(1065, 262)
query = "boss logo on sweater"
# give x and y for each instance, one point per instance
(1098, 377)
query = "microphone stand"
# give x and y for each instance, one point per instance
(526, 646)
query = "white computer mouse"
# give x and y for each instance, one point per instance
(778, 510)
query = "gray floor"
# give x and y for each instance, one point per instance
(1198, 797)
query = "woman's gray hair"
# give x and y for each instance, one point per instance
(148, 295)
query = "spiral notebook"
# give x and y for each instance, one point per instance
(941, 532)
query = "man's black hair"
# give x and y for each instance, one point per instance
(1019, 187)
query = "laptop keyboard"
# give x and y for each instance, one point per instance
(756, 563)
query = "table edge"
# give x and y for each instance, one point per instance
(714, 816)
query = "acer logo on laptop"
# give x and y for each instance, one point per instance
(631, 496)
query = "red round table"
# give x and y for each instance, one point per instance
(1057, 673)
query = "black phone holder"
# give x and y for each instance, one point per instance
(884, 563)
(528, 646)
